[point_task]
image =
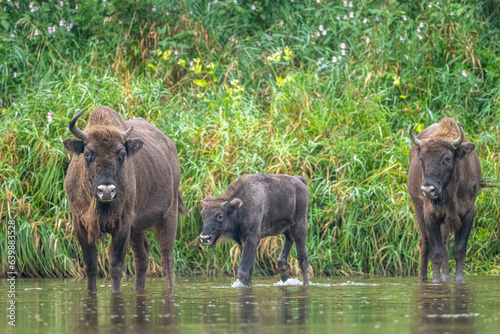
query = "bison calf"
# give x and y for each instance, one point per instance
(258, 206)
(443, 181)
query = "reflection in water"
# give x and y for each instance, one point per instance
(249, 320)
(290, 306)
(444, 307)
(118, 310)
(167, 319)
(292, 301)
(117, 313)
(141, 313)
(89, 323)
(375, 305)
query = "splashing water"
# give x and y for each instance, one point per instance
(288, 282)
(237, 284)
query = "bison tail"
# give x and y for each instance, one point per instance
(301, 179)
(180, 204)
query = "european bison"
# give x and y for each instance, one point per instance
(257, 206)
(443, 181)
(123, 179)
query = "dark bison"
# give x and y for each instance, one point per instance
(443, 181)
(123, 179)
(257, 206)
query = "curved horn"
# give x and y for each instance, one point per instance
(460, 140)
(414, 139)
(127, 133)
(75, 130)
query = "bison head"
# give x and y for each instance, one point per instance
(217, 218)
(105, 151)
(438, 157)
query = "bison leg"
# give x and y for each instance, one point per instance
(166, 231)
(283, 257)
(424, 256)
(89, 258)
(140, 247)
(437, 253)
(247, 258)
(445, 265)
(118, 250)
(461, 238)
(423, 242)
(300, 244)
(299, 234)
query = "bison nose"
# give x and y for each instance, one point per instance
(106, 192)
(206, 239)
(429, 191)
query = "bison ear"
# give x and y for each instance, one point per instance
(74, 145)
(235, 203)
(206, 200)
(133, 145)
(462, 150)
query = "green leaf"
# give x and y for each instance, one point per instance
(152, 66)
(201, 83)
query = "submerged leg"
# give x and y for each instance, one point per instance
(118, 250)
(89, 258)
(165, 234)
(140, 247)
(437, 252)
(283, 257)
(461, 238)
(300, 236)
(445, 265)
(423, 241)
(247, 259)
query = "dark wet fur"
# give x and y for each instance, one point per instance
(257, 206)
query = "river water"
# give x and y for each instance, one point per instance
(204, 305)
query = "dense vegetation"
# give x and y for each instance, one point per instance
(324, 89)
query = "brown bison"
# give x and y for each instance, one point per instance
(123, 179)
(257, 206)
(443, 181)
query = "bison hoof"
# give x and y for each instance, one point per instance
(446, 278)
(422, 278)
(459, 280)
(284, 278)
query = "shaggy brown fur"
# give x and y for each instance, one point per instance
(443, 181)
(145, 170)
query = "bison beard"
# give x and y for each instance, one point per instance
(109, 190)
(443, 181)
(257, 206)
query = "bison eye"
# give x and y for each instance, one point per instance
(88, 156)
(447, 159)
(219, 217)
(121, 157)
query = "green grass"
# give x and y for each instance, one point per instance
(342, 125)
